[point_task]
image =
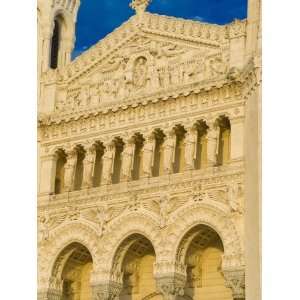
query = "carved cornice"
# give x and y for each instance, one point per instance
(188, 183)
(219, 90)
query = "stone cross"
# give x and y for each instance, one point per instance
(140, 5)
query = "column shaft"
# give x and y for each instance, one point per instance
(212, 145)
(70, 170)
(169, 152)
(89, 164)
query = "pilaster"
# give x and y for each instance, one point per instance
(237, 36)
(237, 138)
(47, 173)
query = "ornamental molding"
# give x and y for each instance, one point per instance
(136, 217)
(205, 100)
(215, 185)
(119, 230)
(185, 110)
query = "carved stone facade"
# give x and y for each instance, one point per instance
(142, 159)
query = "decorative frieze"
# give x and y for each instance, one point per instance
(125, 119)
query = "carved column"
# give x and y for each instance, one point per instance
(49, 295)
(70, 170)
(148, 155)
(52, 292)
(46, 44)
(47, 174)
(171, 286)
(235, 280)
(170, 279)
(127, 160)
(212, 144)
(67, 50)
(106, 291)
(237, 138)
(190, 148)
(108, 159)
(169, 152)
(89, 163)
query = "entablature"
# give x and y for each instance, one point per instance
(213, 186)
(185, 110)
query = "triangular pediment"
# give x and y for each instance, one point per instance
(144, 57)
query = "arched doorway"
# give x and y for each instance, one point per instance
(73, 267)
(201, 250)
(134, 260)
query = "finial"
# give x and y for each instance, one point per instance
(139, 5)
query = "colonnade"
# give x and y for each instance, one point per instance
(156, 153)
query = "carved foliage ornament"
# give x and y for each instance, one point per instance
(106, 291)
(235, 280)
(171, 286)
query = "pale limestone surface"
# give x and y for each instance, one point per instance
(149, 159)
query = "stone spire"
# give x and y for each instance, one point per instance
(140, 5)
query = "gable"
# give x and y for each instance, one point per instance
(143, 61)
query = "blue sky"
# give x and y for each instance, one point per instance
(97, 18)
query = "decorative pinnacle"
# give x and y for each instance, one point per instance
(140, 5)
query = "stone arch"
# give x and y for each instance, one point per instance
(196, 214)
(71, 272)
(59, 239)
(133, 263)
(136, 222)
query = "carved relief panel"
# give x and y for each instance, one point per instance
(142, 67)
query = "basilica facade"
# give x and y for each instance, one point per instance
(149, 158)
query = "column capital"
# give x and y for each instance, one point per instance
(71, 153)
(149, 136)
(235, 280)
(171, 285)
(106, 291)
(109, 145)
(236, 120)
(50, 156)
